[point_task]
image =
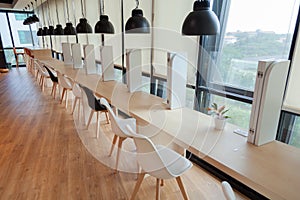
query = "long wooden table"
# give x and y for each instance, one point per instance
(271, 169)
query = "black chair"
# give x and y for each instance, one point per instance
(96, 106)
(54, 79)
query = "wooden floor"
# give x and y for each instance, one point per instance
(42, 156)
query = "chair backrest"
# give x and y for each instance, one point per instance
(92, 101)
(64, 81)
(227, 190)
(77, 90)
(42, 70)
(148, 155)
(52, 77)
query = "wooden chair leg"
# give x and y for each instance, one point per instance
(90, 118)
(157, 189)
(97, 125)
(107, 118)
(180, 184)
(137, 185)
(62, 96)
(113, 144)
(162, 182)
(75, 101)
(66, 99)
(52, 91)
(55, 86)
(121, 139)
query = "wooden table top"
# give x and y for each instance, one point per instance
(271, 169)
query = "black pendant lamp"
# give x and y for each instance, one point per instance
(69, 29)
(201, 21)
(40, 32)
(137, 23)
(83, 26)
(104, 25)
(59, 29)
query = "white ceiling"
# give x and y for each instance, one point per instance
(20, 4)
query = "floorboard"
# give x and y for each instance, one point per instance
(43, 157)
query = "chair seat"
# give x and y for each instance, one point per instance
(175, 163)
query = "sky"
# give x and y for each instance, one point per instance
(267, 15)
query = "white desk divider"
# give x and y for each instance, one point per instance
(134, 69)
(267, 100)
(107, 63)
(66, 50)
(89, 59)
(76, 54)
(176, 80)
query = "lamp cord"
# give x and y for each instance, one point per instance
(137, 4)
(56, 11)
(43, 13)
(32, 7)
(68, 10)
(101, 5)
(74, 11)
(82, 8)
(49, 13)
(38, 11)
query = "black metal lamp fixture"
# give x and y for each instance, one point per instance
(83, 26)
(104, 25)
(58, 30)
(69, 29)
(201, 21)
(137, 23)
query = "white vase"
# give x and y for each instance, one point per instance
(219, 123)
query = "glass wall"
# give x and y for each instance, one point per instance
(250, 33)
(15, 34)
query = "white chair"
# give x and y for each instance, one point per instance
(66, 84)
(227, 190)
(77, 92)
(118, 127)
(43, 74)
(158, 161)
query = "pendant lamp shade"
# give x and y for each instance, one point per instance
(201, 21)
(40, 32)
(35, 18)
(104, 25)
(51, 30)
(137, 23)
(69, 29)
(45, 31)
(83, 26)
(59, 30)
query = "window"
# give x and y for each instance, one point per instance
(20, 16)
(25, 37)
(250, 31)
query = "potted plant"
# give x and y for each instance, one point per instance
(219, 114)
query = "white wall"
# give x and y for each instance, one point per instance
(168, 18)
